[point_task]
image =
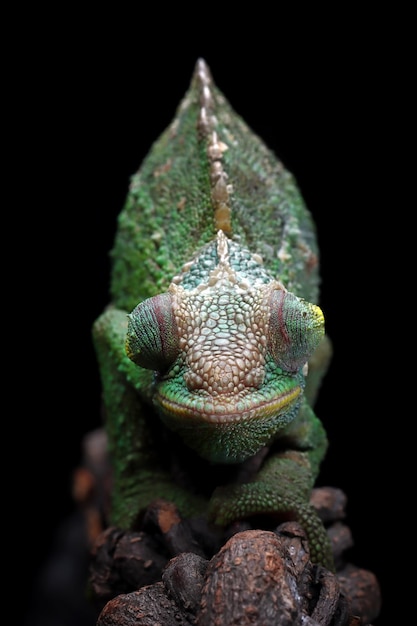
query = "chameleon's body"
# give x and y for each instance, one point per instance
(213, 241)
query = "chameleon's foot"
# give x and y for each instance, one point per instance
(229, 504)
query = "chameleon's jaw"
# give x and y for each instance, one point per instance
(229, 432)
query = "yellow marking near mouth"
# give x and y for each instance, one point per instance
(223, 410)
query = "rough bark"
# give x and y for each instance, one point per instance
(256, 577)
(182, 571)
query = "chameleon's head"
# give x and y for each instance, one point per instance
(229, 362)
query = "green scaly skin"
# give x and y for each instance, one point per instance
(217, 247)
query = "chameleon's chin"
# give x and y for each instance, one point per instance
(226, 431)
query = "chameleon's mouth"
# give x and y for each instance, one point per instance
(223, 409)
(229, 429)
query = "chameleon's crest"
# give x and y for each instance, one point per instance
(220, 189)
(208, 171)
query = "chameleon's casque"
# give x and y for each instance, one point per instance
(213, 321)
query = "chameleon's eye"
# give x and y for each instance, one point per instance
(152, 334)
(295, 329)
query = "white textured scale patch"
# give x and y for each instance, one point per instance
(223, 259)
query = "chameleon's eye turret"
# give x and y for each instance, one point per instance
(296, 328)
(152, 334)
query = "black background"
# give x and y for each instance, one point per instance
(91, 101)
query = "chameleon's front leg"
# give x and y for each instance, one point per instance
(137, 474)
(282, 487)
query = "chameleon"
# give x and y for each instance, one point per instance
(213, 347)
